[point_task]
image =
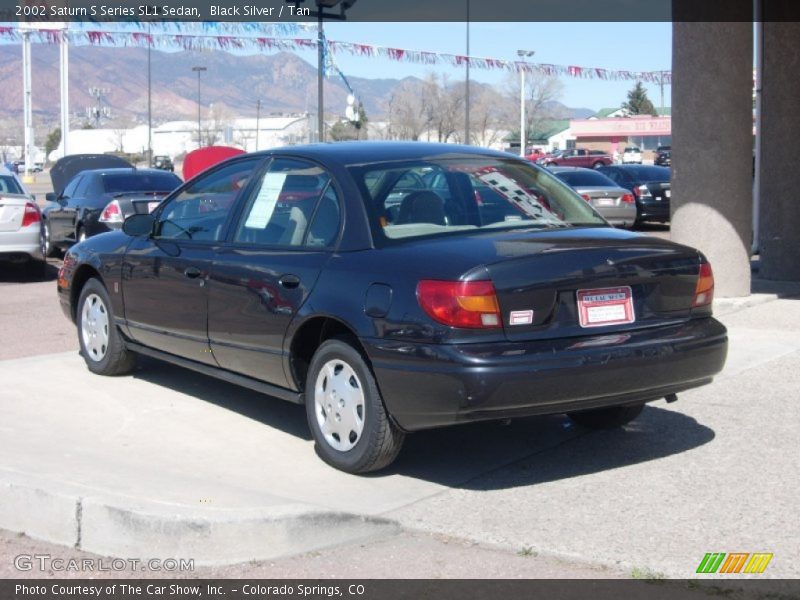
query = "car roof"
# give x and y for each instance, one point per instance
(569, 169)
(368, 152)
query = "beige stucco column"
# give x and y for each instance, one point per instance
(712, 140)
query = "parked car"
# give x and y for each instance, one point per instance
(650, 186)
(163, 162)
(615, 203)
(663, 156)
(97, 199)
(578, 157)
(20, 224)
(285, 272)
(632, 155)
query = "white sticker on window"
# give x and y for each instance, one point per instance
(267, 198)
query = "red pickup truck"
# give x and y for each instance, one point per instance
(578, 157)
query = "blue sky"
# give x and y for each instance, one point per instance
(628, 46)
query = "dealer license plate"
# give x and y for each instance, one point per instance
(605, 306)
(605, 202)
(667, 193)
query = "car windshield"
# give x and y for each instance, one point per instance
(9, 185)
(631, 150)
(442, 196)
(584, 178)
(114, 183)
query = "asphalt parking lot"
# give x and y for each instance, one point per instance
(714, 472)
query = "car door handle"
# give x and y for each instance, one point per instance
(289, 281)
(192, 272)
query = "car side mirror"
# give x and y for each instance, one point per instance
(51, 197)
(137, 225)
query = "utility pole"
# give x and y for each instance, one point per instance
(149, 98)
(64, 88)
(199, 70)
(320, 14)
(27, 102)
(523, 135)
(466, 88)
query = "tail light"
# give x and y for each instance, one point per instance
(628, 198)
(112, 213)
(704, 290)
(586, 197)
(31, 215)
(469, 304)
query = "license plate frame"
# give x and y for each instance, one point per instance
(600, 307)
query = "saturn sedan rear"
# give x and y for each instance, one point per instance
(394, 287)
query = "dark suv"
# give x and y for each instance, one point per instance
(663, 156)
(163, 162)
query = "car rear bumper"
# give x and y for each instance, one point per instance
(624, 215)
(430, 385)
(654, 211)
(14, 244)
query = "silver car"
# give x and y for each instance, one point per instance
(20, 225)
(616, 204)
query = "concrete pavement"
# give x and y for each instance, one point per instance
(167, 462)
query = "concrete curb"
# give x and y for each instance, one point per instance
(125, 528)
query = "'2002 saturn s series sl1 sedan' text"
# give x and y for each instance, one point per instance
(394, 287)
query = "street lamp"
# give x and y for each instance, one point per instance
(199, 70)
(320, 14)
(523, 137)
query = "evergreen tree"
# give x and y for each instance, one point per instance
(638, 103)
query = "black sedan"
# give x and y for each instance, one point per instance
(650, 186)
(98, 200)
(298, 272)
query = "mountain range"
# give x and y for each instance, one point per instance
(284, 82)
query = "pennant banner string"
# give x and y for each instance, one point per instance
(221, 37)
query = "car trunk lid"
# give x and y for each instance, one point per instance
(602, 197)
(544, 287)
(12, 211)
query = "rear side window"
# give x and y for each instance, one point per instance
(293, 205)
(9, 185)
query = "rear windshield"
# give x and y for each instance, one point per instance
(115, 183)
(9, 185)
(461, 195)
(584, 178)
(645, 173)
(631, 150)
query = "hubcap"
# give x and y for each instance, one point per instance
(94, 327)
(339, 405)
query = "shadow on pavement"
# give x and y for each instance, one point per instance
(479, 456)
(27, 272)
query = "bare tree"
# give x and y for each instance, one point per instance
(541, 93)
(119, 132)
(406, 108)
(219, 119)
(488, 116)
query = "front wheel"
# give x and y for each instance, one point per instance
(352, 431)
(101, 344)
(598, 164)
(608, 417)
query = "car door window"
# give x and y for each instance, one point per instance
(199, 211)
(82, 187)
(69, 190)
(294, 204)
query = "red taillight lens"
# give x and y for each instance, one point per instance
(31, 215)
(628, 198)
(111, 213)
(704, 290)
(469, 304)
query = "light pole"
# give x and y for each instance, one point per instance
(523, 135)
(149, 98)
(199, 70)
(466, 88)
(320, 14)
(258, 119)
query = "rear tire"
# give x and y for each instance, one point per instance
(101, 343)
(351, 429)
(608, 417)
